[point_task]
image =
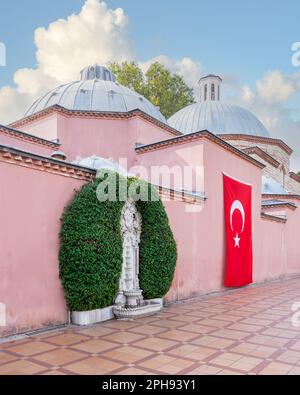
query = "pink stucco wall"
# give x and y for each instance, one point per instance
(277, 246)
(45, 127)
(109, 138)
(200, 235)
(20, 143)
(31, 204)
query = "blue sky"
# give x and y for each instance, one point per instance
(236, 37)
(248, 43)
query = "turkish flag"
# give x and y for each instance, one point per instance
(238, 224)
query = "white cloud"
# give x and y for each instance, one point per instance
(247, 94)
(269, 102)
(275, 87)
(12, 104)
(95, 34)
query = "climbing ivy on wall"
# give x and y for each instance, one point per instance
(90, 255)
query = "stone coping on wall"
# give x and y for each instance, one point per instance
(43, 163)
(262, 154)
(24, 136)
(95, 114)
(187, 138)
(257, 139)
(294, 176)
(266, 204)
(273, 218)
(182, 196)
(287, 196)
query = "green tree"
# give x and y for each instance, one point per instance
(129, 74)
(164, 89)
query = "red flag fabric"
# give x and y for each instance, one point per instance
(238, 224)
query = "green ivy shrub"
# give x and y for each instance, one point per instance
(91, 247)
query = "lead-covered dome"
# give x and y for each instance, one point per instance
(96, 91)
(216, 116)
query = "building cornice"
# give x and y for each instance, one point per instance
(94, 114)
(262, 154)
(280, 196)
(294, 176)
(258, 139)
(18, 134)
(187, 138)
(42, 163)
(182, 196)
(289, 205)
(273, 218)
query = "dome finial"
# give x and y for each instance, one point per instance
(210, 87)
(96, 72)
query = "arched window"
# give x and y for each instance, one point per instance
(213, 93)
(205, 92)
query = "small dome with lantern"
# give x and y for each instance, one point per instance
(215, 115)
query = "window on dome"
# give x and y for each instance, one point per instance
(205, 92)
(213, 93)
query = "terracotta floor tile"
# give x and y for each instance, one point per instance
(254, 350)
(230, 334)
(280, 333)
(199, 353)
(5, 357)
(211, 322)
(31, 348)
(276, 368)
(123, 337)
(227, 372)
(148, 330)
(128, 354)
(21, 367)
(205, 370)
(255, 321)
(155, 344)
(290, 356)
(121, 325)
(94, 346)
(53, 373)
(214, 342)
(246, 363)
(59, 357)
(93, 366)
(296, 346)
(198, 328)
(98, 331)
(179, 335)
(295, 371)
(133, 372)
(268, 340)
(169, 323)
(246, 327)
(66, 339)
(166, 364)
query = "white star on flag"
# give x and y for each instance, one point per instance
(237, 241)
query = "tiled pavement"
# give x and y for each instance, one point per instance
(247, 331)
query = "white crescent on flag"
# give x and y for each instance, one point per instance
(237, 205)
